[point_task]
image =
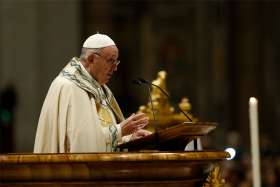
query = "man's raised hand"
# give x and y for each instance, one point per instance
(134, 123)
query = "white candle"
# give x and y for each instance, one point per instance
(254, 132)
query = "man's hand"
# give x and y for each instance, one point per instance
(140, 134)
(134, 123)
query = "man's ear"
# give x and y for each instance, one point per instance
(90, 58)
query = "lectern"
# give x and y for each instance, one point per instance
(146, 167)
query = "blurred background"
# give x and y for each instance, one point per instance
(218, 53)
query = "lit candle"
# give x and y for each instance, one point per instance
(254, 131)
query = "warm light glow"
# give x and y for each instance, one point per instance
(253, 100)
(232, 153)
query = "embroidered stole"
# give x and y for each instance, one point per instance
(108, 109)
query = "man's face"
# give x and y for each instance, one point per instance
(104, 64)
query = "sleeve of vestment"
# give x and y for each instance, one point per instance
(51, 130)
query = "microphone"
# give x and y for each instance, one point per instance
(136, 81)
(143, 81)
(139, 82)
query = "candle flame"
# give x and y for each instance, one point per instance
(253, 100)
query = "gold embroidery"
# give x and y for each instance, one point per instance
(106, 118)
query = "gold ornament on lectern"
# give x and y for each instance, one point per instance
(165, 114)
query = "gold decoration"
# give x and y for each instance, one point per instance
(104, 116)
(164, 113)
(185, 105)
(214, 179)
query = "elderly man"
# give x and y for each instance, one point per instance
(80, 113)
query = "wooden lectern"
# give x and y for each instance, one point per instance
(147, 167)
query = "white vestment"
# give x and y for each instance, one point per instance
(71, 120)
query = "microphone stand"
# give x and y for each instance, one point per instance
(153, 112)
(151, 101)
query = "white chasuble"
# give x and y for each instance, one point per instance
(77, 115)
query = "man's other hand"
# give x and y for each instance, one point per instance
(140, 134)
